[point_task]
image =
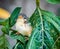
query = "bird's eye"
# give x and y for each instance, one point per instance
(25, 21)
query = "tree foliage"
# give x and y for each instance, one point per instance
(45, 33)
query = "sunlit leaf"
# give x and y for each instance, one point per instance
(4, 44)
(44, 25)
(53, 1)
(17, 36)
(51, 18)
(5, 29)
(18, 46)
(3, 22)
(14, 16)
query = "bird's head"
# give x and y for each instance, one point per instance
(23, 26)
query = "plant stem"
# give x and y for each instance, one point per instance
(37, 3)
(42, 26)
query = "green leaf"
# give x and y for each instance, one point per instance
(5, 29)
(58, 43)
(54, 26)
(4, 44)
(18, 46)
(17, 37)
(3, 22)
(40, 37)
(53, 19)
(53, 1)
(14, 16)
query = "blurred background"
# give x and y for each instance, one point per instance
(28, 7)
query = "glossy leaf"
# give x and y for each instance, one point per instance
(5, 28)
(3, 22)
(14, 16)
(42, 37)
(52, 19)
(18, 46)
(17, 36)
(53, 1)
(4, 44)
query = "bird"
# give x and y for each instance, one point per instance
(23, 26)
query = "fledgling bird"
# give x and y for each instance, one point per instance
(22, 26)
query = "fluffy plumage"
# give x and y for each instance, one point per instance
(23, 27)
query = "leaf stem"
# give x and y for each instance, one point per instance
(56, 41)
(42, 31)
(37, 3)
(16, 45)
